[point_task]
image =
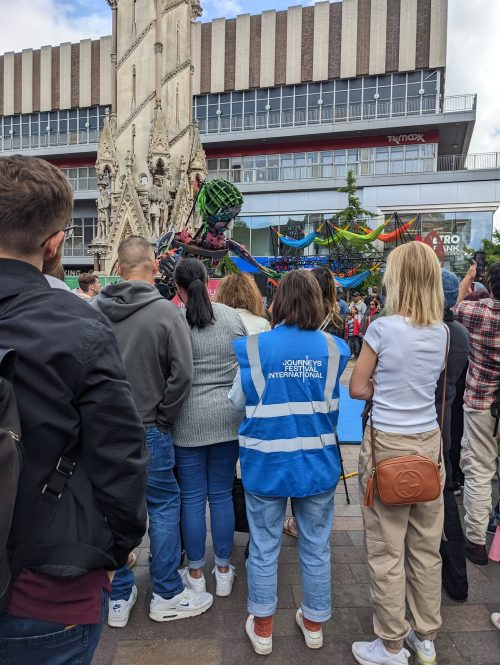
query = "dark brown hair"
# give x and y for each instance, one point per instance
(298, 301)
(239, 290)
(329, 293)
(85, 281)
(36, 200)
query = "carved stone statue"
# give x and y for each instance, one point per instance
(103, 211)
(157, 206)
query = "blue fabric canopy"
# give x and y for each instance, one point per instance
(298, 244)
(354, 281)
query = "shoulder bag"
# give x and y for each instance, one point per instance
(409, 479)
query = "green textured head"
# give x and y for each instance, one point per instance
(219, 201)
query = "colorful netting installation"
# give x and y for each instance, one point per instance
(352, 282)
(301, 243)
(394, 235)
(360, 238)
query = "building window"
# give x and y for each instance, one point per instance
(178, 43)
(382, 160)
(177, 107)
(54, 128)
(342, 100)
(84, 233)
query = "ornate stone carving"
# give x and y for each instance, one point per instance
(107, 160)
(159, 199)
(103, 211)
(196, 9)
(159, 147)
(198, 162)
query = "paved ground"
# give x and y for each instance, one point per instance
(218, 636)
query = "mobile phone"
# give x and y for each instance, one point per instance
(480, 259)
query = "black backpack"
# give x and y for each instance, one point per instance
(10, 459)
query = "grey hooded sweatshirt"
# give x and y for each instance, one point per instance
(155, 343)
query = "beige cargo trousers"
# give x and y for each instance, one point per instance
(402, 544)
(479, 460)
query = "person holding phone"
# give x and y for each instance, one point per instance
(480, 455)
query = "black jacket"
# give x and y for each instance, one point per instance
(72, 390)
(457, 358)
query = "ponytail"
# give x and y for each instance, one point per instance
(191, 275)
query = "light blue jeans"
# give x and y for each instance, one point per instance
(164, 504)
(314, 517)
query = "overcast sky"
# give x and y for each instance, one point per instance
(473, 43)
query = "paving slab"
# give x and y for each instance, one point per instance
(218, 636)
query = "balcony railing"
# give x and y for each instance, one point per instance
(339, 114)
(472, 162)
(49, 140)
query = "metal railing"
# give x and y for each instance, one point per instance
(338, 114)
(49, 139)
(472, 162)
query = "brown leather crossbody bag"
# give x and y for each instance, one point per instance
(408, 479)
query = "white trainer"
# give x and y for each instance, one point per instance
(198, 585)
(314, 639)
(495, 620)
(261, 645)
(186, 604)
(119, 610)
(375, 653)
(424, 651)
(224, 581)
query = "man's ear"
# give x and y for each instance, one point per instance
(53, 247)
(156, 265)
(119, 269)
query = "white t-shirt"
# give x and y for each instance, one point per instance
(410, 362)
(253, 324)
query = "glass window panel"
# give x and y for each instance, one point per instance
(212, 164)
(287, 103)
(223, 163)
(339, 156)
(398, 91)
(398, 79)
(249, 106)
(237, 96)
(248, 162)
(340, 98)
(341, 84)
(273, 160)
(414, 77)
(225, 109)
(213, 99)
(326, 157)
(241, 231)
(355, 84)
(237, 108)
(274, 93)
(261, 105)
(262, 93)
(300, 102)
(384, 94)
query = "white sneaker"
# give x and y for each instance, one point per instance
(495, 620)
(186, 604)
(314, 639)
(425, 653)
(224, 581)
(198, 585)
(119, 610)
(374, 653)
(261, 645)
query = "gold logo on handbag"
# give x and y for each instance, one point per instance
(408, 479)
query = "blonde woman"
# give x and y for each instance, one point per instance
(401, 361)
(240, 292)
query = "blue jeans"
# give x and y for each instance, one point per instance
(314, 517)
(164, 504)
(32, 642)
(207, 472)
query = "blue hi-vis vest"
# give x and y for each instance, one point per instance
(288, 443)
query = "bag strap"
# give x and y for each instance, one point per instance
(443, 397)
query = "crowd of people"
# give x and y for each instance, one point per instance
(131, 408)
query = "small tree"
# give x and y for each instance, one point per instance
(492, 249)
(354, 211)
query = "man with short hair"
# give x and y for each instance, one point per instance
(155, 343)
(480, 458)
(80, 506)
(89, 286)
(358, 304)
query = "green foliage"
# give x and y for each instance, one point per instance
(226, 267)
(354, 212)
(492, 249)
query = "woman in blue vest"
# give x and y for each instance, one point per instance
(288, 385)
